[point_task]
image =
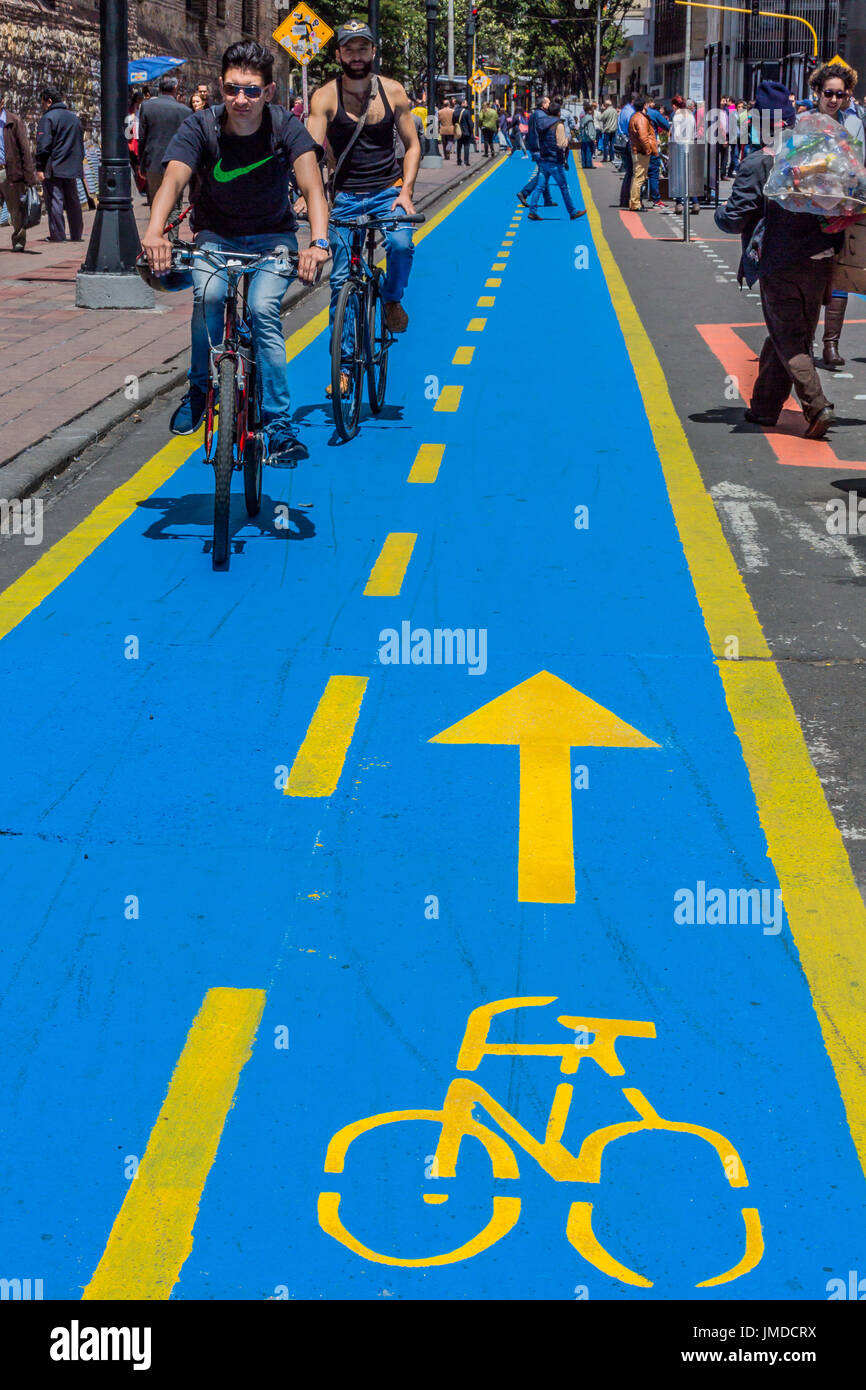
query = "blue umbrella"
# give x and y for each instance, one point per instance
(146, 69)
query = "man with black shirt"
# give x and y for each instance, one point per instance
(243, 153)
(367, 177)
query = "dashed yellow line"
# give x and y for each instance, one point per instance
(425, 469)
(493, 283)
(462, 357)
(498, 265)
(320, 758)
(152, 1233)
(389, 571)
(449, 399)
(476, 325)
(503, 253)
(486, 301)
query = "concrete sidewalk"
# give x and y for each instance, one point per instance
(72, 374)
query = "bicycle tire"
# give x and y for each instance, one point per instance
(349, 313)
(377, 360)
(253, 451)
(224, 461)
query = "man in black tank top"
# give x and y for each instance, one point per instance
(370, 179)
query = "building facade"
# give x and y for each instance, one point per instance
(738, 49)
(56, 43)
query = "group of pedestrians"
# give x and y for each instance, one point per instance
(457, 128)
(548, 142)
(57, 165)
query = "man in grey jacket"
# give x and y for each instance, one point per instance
(60, 161)
(793, 270)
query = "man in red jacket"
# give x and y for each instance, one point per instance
(17, 170)
(644, 145)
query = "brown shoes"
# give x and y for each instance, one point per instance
(396, 318)
(345, 386)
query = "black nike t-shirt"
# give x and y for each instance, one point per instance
(246, 192)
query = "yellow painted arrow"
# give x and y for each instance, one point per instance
(546, 718)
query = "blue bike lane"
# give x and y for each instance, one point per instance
(549, 852)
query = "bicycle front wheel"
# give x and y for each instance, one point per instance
(377, 361)
(224, 461)
(347, 358)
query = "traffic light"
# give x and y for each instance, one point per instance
(472, 21)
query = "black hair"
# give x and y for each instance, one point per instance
(51, 94)
(249, 56)
(555, 107)
(638, 103)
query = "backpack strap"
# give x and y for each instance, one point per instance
(362, 121)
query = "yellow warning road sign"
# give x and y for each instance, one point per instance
(479, 81)
(303, 34)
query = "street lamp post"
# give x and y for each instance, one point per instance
(108, 278)
(432, 158)
(373, 21)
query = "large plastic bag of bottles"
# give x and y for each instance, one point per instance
(817, 169)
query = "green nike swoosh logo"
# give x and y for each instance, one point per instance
(226, 175)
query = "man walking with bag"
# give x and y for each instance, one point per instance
(791, 256)
(16, 170)
(60, 161)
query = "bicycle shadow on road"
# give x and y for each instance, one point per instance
(276, 521)
(389, 414)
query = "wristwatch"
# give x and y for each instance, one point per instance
(322, 243)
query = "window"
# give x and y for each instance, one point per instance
(248, 16)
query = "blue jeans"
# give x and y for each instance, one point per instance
(267, 288)
(655, 165)
(607, 138)
(399, 249)
(548, 170)
(586, 154)
(529, 188)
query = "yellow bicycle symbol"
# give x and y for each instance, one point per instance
(456, 1122)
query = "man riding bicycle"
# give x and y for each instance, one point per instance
(242, 154)
(360, 113)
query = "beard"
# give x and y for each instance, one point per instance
(356, 70)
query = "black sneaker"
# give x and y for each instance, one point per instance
(190, 413)
(285, 450)
(521, 198)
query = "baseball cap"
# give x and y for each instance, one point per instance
(354, 29)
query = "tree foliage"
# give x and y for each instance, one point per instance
(546, 41)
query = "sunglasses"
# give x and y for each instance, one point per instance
(832, 96)
(231, 89)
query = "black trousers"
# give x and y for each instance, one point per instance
(627, 176)
(62, 194)
(791, 301)
(463, 149)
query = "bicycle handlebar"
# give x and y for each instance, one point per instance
(367, 219)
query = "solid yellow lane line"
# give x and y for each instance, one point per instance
(476, 325)
(825, 911)
(389, 571)
(152, 1234)
(449, 399)
(425, 469)
(462, 357)
(320, 758)
(27, 592)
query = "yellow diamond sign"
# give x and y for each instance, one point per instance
(479, 80)
(303, 34)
